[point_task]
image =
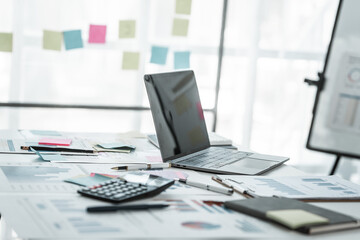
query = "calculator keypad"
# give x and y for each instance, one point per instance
(117, 190)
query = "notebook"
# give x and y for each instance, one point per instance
(294, 214)
(181, 130)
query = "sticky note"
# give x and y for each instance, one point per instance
(295, 218)
(86, 180)
(116, 145)
(97, 33)
(180, 27)
(52, 40)
(196, 136)
(154, 159)
(49, 157)
(130, 60)
(182, 104)
(45, 132)
(127, 28)
(181, 60)
(52, 157)
(200, 110)
(55, 141)
(73, 39)
(159, 55)
(6, 42)
(183, 7)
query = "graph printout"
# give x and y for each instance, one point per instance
(65, 216)
(345, 107)
(328, 187)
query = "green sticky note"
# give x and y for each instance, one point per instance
(183, 7)
(130, 60)
(295, 218)
(52, 40)
(180, 27)
(6, 42)
(127, 28)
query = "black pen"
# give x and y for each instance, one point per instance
(124, 207)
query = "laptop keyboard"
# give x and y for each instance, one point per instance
(215, 157)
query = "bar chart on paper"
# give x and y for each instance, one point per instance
(39, 177)
(328, 187)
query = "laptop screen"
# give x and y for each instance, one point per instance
(177, 113)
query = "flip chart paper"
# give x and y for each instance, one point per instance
(97, 33)
(159, 55)
(180, 27)
(73, 39)
(181, 60)
(52, 40)
(183, 7)
(6, 40)
(127, 28)
(130, 60)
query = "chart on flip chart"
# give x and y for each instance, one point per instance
(335, 126)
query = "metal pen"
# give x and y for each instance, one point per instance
(207, 187)
(149, 166)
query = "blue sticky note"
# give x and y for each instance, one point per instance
(159, 55)
(73, 39)
(49, 157)
(88, 180)
(181, 60)
(115, 146)
(45, 133)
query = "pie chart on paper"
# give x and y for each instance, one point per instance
(201, 225)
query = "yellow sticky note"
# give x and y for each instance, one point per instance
(182, 104)
(196, 136)
(130, 60)
(127, 28)
(6, 42)
(52, 40)
(183, 7)
(180, 27)
(295, 218)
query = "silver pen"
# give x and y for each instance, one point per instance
(207, 187)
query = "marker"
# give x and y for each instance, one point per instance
(207, 187)
(149, 166)
(125, 207)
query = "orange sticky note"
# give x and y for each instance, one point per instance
(55, 141)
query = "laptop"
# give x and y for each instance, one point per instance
(181, 130)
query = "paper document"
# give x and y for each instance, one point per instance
(307, 188)
(65, 217)
(78, 147)
(37, 178)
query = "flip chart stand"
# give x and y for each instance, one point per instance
(320, 85)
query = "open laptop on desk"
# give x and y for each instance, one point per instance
(181, 130)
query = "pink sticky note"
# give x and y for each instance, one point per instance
(97, 33)
(154, 158)
(200, 110)
(55, 141)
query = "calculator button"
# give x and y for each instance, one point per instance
(120, 195)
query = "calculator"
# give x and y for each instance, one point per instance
(121, 190)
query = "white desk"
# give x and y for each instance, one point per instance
(12, 213)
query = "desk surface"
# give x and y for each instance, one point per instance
(36, 203)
